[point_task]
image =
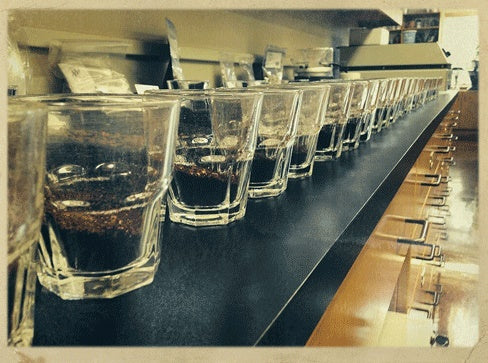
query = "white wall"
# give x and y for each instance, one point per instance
(460, 36)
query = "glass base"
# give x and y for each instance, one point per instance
(365, 137)
(21, 297)
(301, 172)
(98, 285)
(206, 217)
(267, 191)
(328, 155)
(350, 146)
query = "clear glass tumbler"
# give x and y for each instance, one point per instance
(216, 142)
(390, 101)
(397, 101)
(352, 129)
(329, 144)
(409, 103)
(108, 164)
(381, 113)
(369, 111)
(276, 136)
(310, 120)
(26, 170)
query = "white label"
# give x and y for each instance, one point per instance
(273, 60)
(78, 78)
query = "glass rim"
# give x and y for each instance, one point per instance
(192, 94)
(97, 100)
(274, 88)
(189, 80)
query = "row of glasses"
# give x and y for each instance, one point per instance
(107, 163)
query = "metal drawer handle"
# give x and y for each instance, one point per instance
(442, 193)
(437, 220)
(425, 310)
(440, 149)
(446, 179)
(450, 137)
(451, 121)
(447, 161)
(444, 136)
(437, 178)
(436, 296)
(413, 241)
(435, 252)
(441, 201)
(435, 183)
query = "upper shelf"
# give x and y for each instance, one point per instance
(377, 18)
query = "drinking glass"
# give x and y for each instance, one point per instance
(417, 99)
(108, 164)
(381, 113)
(411, 94)
(359, 94)
(26, 170)
(397, 98)
(329, 144)
(215, 148)
(276, 135)
(404, 100)
(393, 84)
(369, 111)
(310, 120)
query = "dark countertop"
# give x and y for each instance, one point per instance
(264, 280)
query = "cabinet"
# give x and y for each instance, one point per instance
(417, 28)
(398, 292)
(467, 103)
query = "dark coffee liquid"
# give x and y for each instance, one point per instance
(298, 157)
(198, 186)
(326, 135)
(12, 278)
(263, 165)
(350, 128)
(262, 170)
(379, 116)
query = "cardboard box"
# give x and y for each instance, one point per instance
(364, 36)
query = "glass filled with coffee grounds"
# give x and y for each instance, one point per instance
(369, 111)
(109, 162)
(381, 113)
(329, 144)
(215, 147)
(352, 129)
(310, 120)
(276, 136)
(26, 170)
